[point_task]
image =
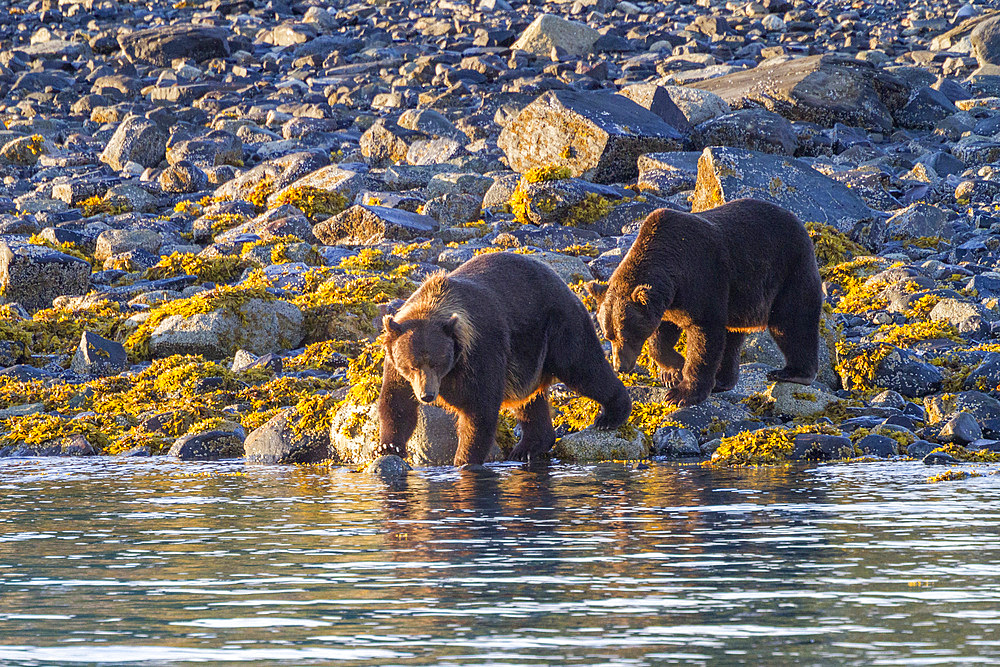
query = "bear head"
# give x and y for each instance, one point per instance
(627, 315)
(423, 351)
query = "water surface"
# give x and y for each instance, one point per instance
(106, 561)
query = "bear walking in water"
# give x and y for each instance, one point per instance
(718, 275)
(495, 332)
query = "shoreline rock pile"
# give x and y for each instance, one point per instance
(204, 203)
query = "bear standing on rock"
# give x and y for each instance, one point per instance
(718, 275)
(495, 332)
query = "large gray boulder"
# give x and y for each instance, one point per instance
(163, 44)
(548, 31)
(598, 136)
(135, 140)
(257, 325)
(33, 275)
(824, 89)
(725, 174)
(370, 225)
(354, 436)
(590, 445)
(985, 39)
(754, 129)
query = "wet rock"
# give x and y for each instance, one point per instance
(209, 446)
(548, 32)
(939, 459)
(877, 445)
(354, 436)
(162, 45)
(277, 441)
(257, 325)
(598, 136)
(920, 449)
(726, 174)
(961, 429)
(590, 445)
(702, 417)
(135, 140)
(370, 225)
(675, 442)
(33, 275)
(99, 357)
(388, 467)
(823, 89)
(820, 447)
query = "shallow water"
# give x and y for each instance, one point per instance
(155, 562)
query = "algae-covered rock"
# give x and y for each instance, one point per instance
(795, 400)
(597, 136)
(280, 441)
(257, 325)
(725, 174)
(590, 445)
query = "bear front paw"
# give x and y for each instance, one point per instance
(670, 376)
(683, 395)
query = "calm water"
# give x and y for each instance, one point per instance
(156, 563)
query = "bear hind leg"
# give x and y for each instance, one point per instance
(537, 434)
(729, 369)
(794, 326)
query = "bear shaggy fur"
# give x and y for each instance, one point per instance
(495, 332)
(718, 275)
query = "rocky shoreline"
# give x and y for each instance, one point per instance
(204, 204)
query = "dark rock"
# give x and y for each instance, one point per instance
(939, 459)
(34, 275)
(99, 357)
(819, 447)
(208, 446)
(163, 44)
(370, 225)
(753, 129)
(277, 442)
(961, 429)
(388, 467)
(877, 445)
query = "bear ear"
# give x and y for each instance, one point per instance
(596, 290)
(391, 326)
(641, 294)
(451, 325)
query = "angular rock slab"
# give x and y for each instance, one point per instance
(99, 357)
(824, 89)
(160, 45)
(598, 136)
(34, 275)
(725, 174)
(258, 325)
(369, 225)
(548, 31)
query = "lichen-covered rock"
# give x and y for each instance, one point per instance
(135, 140)
(183, 177)
(753, 129)
(590, 445)
(548, 31)
(371, 225)
(961, 429)
(163, 44)
(696, 104)
(278, 441)
(824, 89)
(328, 179)
(917, 220)
(385, 144)
(33, 275)
(257, 325)
(209, 446)
(598, 136)
(976, 403)
(969, 318)
(725, 174)
(354, 436)
(117, 241)
(98, 356)
(796, 400)
(23, 150)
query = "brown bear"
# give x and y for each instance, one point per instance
(718, 275)
(495, 332)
